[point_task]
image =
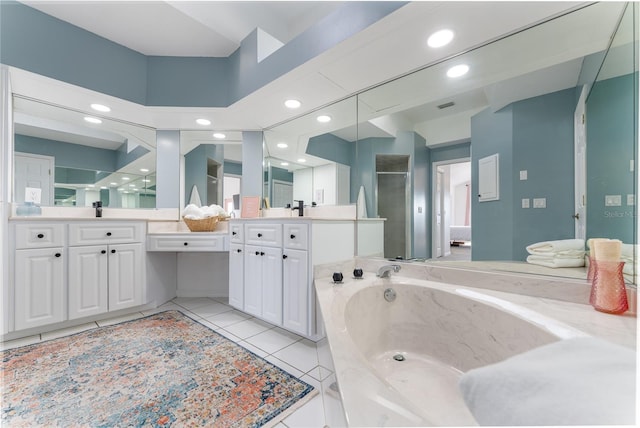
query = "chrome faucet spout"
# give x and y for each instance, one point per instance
(385, 271)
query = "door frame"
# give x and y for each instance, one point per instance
(580, 165)
(52, 161)
(434, 224)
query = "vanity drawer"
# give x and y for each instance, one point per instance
(236, 233)
(187, 242)
(105, 233)
(39, 235)
(263, 234)
(296, 236)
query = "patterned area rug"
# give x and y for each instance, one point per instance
(165, 369)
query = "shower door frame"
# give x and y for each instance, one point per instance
(408, 206)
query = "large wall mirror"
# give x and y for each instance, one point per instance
(212, 167)
(76, 158)
(416, 144)
(310, 158)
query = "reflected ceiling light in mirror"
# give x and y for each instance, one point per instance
(302, 160)
(440, 38)
(100, 107)
(92, 119)
(144, 170)
(458, 70)
(103, 187)
(292, 104)
(126, 178)
(203, 122)
(219, 136)
(113, 184)
(324, 118)
(282, 145)
(284, 163)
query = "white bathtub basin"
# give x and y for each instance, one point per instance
(439, 331)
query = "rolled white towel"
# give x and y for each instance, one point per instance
(192, 210)
(547, 247)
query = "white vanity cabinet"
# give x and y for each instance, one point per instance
(271, 267)
(105, 267)
(39, 274)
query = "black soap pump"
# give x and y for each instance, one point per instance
(98, 206)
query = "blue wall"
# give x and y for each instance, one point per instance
(610, 148)
(535, 135)
(330, 147)
(34, 41)
(195, 169)
(231, 167)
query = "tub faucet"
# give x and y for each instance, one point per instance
(385, 270)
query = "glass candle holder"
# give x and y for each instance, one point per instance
(591, 268)
(608, 292)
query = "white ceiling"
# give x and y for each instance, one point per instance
(391, 47)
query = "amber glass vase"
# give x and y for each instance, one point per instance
(608, 292)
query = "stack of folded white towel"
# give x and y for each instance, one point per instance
(557, 254)
(194, 212)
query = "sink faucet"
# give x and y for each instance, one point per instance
(300, 208)
(385, 270)
(98, 206)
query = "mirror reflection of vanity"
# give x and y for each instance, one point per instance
(522, 99)
(77, 158)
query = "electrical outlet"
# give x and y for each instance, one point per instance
(612, 200)
(523, 174)
(539, 202)
(525, 203)
(631, 199)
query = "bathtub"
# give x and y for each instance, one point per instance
(398, 363)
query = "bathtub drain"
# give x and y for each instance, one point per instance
(398, 357)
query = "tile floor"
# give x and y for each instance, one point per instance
(294, 354)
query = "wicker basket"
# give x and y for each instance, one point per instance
(203, 225)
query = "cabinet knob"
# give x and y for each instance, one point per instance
(262, 253)
(284, 256)
(257, 253)
(293, 236)
(103, 252)
(40, 235)
(113, 251)
(108, 233)
(259, 235)
(58, 254)
(234, 233)
(186, 243)
(238, 250)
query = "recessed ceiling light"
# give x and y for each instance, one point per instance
(324, 118)
(284, 163)
(113, 184)
(203, 122)
(126, 178)
(282, 145)
(302, 160)
(92, 119)
(100, 107)
(91, 185)
(458, 70)
(132, 185)
(440, 38)
(144, 170)
(292, 104)
(146, 180)
(219, 136)
(103, 187)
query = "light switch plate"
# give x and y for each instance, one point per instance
(525, 203)
(539, 202)
(523, 174)
(612, 200)
(33, 194)
(631, 199)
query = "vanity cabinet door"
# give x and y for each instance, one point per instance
(236, 276)
(39, 287)
(88, 281)
(272, 285)
(295, 291)
(125, 276)
(252, 280)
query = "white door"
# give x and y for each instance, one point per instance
(39, 291)
(125, 276)
(295, 291)
(252, 280)
(236, 276)
(34, 171)
(272, 284)
(580, 137)
(437, 214)
(88, 281)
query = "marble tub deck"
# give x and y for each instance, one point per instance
(369, 401)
